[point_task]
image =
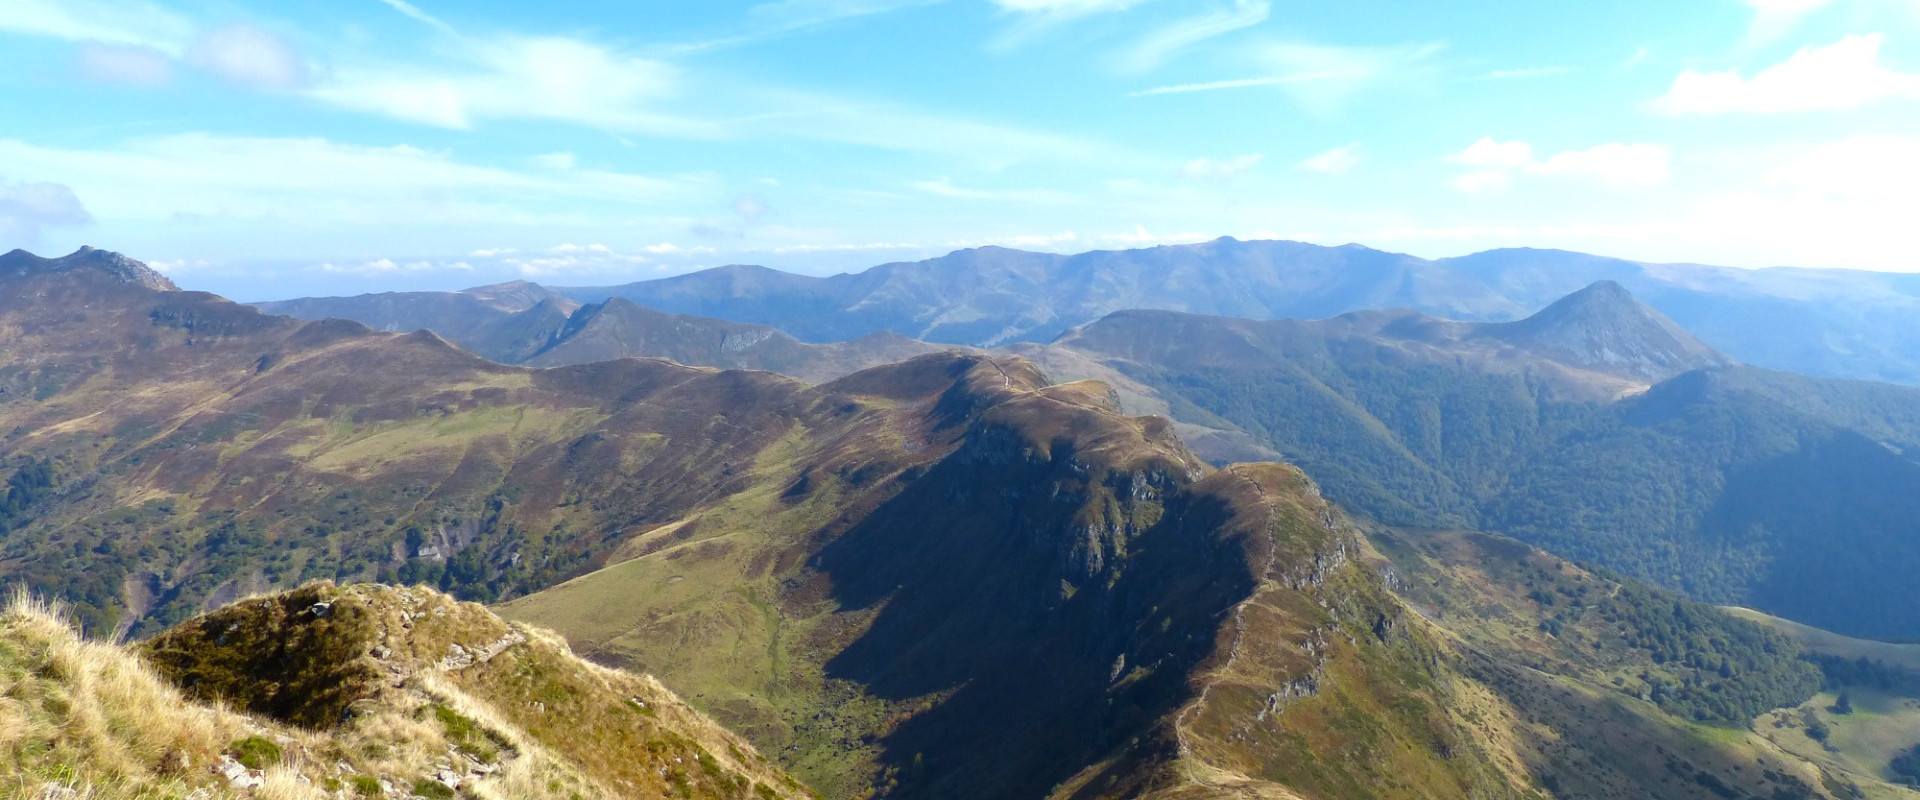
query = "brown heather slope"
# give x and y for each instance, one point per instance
(338, 692)
(200, 450)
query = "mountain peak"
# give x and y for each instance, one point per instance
(1604, 327)
(20, 264)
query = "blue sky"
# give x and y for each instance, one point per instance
(297, 147)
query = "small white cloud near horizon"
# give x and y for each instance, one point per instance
(388, 266)
(1338, 161)
(1494, 164)
(250, 57)
(1841, 76)
(1222, 169)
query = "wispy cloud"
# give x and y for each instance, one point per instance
(1066, 8)
(1527, 72)
(131, 65)
(1034, 18)
(1170, 40)
(1773, 19)
(1494, 164)
(1245, 83)
(551, 78)
(412, 11)
(1223, 169)
(1316, 76)
(987, 144)
(124, 22)
(944, 187)
(250, 57)
(768, 21)
(1338, 161)
(1841, 76)
(319, 182)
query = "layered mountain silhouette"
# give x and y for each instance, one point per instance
(1831, 323)
(948, 577)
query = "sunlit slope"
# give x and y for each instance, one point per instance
(164, 451)
(360, 691)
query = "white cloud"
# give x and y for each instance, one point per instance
(1338, 161)
(125, 22)
(556, 161)
(1844, 75)
(1865, 168)
(27, 209)
(944, 187)
(321, 182)
(1482, 181)
(133, 65)
(1490, 153)
(1614, 164)
(550, 78)
(1168, 41)
(1494, 164)
(251, 57)
(387, 266)
(1225, 169)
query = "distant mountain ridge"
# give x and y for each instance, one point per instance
(1828, 323)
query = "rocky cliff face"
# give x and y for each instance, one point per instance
(20, 264)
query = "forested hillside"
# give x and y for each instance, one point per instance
(1733, 484)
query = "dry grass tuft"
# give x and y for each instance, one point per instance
(82, 719)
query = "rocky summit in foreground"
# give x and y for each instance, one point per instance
(340, 692)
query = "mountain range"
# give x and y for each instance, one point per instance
(950, 576)
(1826, 323)
(1597, 427)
